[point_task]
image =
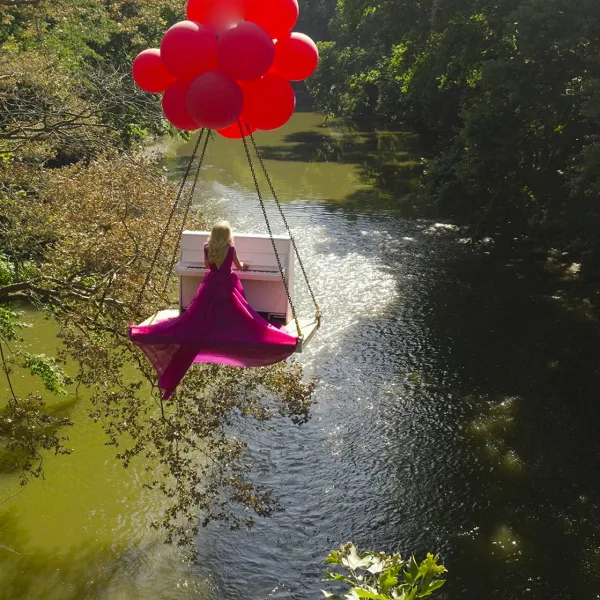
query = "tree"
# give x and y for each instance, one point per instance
(380, 576)
(504, 91)
(82, 210)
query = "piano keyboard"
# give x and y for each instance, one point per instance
(267, 273)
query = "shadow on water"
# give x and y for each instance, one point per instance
(389, 163)
(79, 573)
(511, 425)
(376, 169)
(94, 569)
(11, 462)
(526, 394)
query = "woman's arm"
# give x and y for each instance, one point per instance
(206, 257)
(239, 266)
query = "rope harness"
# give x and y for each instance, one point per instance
(264, 211)
(280, 209)
(140, 297)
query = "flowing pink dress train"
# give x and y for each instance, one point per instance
(219, 326)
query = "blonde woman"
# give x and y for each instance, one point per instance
(219, 325)
(219, 244)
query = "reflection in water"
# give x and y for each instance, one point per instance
(366, 169)
(457, 412)
(493, 427)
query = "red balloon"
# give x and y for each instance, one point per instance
(150, 73)
(219, 15)
(214, 100)
(268, 102)
(188, 49)
(245, 52)
(175, 108)
(296, 57)
(277, 17)
(233, 131)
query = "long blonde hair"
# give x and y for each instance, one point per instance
(219, 241)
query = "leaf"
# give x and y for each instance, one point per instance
(432, 565)
(411, 575)
(370, 593)
(377, 566)
(434, 585)
(9, 324)
(387, 581)
(410, 594)
(354, 561)
(53, 377)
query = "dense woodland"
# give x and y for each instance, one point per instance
(507, 93)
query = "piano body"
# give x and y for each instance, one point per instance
(262, 281)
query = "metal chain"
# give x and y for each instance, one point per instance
(140, 297)
(264, 170)
(264, 210)
(188, 205)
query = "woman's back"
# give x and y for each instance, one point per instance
(226, 263)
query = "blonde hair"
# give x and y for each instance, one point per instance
(219, 241)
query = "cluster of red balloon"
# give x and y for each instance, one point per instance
(231, 60)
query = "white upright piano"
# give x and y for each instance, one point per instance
(262, 281)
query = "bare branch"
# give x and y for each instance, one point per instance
(20, 2)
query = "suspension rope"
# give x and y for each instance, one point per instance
(140, 296)
(279, 207)
(188, 206)
(264, 211)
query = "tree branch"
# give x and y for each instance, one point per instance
(66, 290)
(20, 2)
(7, 372)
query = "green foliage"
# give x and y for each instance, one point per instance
(52, 375)
(27, 427)
(507, 92)
(314, 18)
(380, 576)
(66, 89)
(9, 324)
(7, 270)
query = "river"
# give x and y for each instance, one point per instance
(457, 409)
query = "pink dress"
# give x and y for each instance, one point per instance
(219, 326)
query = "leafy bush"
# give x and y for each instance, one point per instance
(380, 576)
